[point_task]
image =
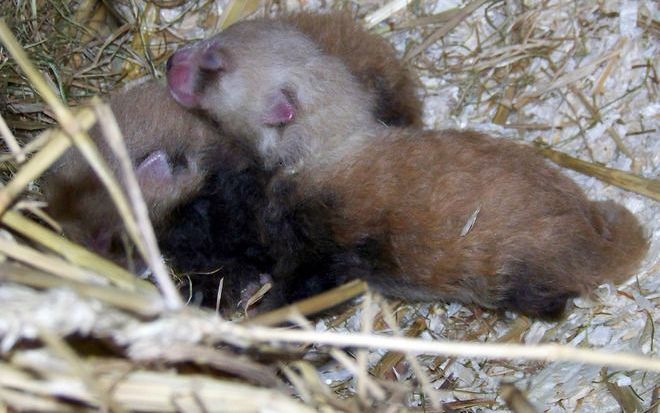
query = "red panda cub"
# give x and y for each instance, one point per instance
(422, 215)
(166, 144)
(205, 202)
(203, 217)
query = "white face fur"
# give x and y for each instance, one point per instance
(267, 83)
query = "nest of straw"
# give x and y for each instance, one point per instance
(578, 79)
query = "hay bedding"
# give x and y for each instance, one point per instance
(582, 77)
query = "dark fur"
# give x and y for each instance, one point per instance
(216, 234)
(206, 226)
(352, 198)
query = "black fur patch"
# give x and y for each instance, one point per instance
(218, 233)
(240, 227)
(531, 291)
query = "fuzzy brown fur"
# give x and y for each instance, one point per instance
(466, 217)
(79, 201)
(151, 120)
(398, 202)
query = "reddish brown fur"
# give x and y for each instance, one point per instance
(535, 232)
(403, 196)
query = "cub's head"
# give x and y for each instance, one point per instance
(267, 83)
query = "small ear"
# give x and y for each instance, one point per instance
(281, 110)
(154, 171)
